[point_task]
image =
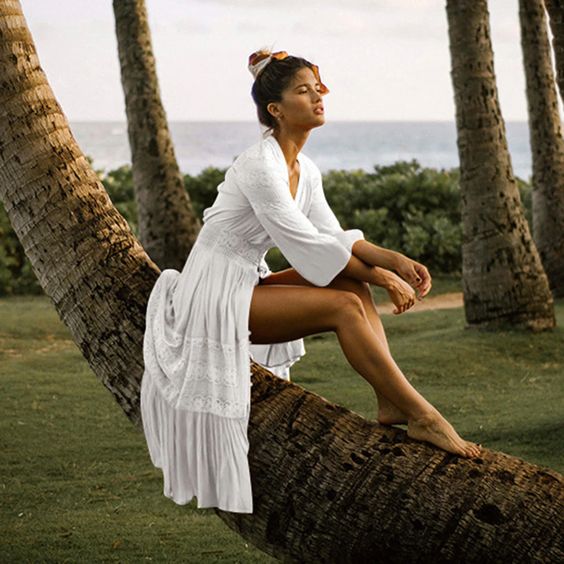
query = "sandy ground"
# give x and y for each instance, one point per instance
(448, 300)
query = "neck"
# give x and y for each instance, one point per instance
(291, 143)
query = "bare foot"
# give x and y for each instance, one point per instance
(435, 429)
(390, 414)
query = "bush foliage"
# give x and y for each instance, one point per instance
(403, 206)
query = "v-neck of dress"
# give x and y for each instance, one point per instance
(300, 179)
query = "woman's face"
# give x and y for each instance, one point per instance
(301, 106)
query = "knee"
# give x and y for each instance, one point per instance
(349, 304)
(359, 287)
(362, 289)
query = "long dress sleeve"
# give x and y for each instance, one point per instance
(317, 256)
(322, 216)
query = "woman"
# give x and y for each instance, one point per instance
(203, 323)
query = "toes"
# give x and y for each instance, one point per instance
(472, 449)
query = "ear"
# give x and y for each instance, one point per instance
(273, 109)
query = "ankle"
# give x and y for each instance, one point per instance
(424, 416)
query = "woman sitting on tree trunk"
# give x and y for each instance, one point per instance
(226, 304)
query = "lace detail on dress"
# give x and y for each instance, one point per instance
(230, 244)
(194, 373)
(267, 189)
(198, 358)
(218, 405)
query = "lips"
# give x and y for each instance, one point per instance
(318, 110)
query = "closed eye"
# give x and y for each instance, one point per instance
(303, 88)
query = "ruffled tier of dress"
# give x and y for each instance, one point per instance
(195, 392)
(278, 357)
(200, 454)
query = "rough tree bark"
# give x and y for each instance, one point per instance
(503, 280)
(167, 224)
(555, 9)
(329, 486)
(547, 143)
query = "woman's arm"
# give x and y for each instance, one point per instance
(376, 275)
(406, 270)
(401, 294)
(355, 268)
(413, 272)
(376, 256)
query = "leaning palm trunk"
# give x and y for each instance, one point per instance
(504, 283)
(167, 224)
(328, 485)
(547, 143)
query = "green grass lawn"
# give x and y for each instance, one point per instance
(76, 482)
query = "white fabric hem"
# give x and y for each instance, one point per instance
(349, 237)
(278, 357)
(200, 454)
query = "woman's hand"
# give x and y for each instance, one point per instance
(400, 292)
(414, 273)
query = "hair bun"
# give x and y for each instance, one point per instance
(259, 55)
(259, 59)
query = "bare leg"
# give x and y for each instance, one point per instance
(388, 412)
(298, 311)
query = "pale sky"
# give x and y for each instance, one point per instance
(382, 59)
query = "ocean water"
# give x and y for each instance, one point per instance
(335, 145)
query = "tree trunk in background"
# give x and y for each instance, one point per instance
(555, 10)
(547, 143)
(167, 225)
(503, 280)
(328, 485)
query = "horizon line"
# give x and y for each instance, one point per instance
(255, 122)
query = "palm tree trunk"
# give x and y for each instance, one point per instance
(555, 9)
(547, 143)
(167, 224)
(80, 247)
(504, 283)
(329, 486)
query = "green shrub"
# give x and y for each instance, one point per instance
(403, 206)
(16, 274)
(202, 189)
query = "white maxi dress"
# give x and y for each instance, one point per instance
(196, 386)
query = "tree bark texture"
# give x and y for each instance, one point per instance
(328, 485)
(504, 283)
(331, 486)
(167, 225)
(547, 143)
(555, 9)
(81, 249)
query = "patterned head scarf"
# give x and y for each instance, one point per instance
(260, 59)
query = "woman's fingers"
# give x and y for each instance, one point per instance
(425, 290)
(423, 279)
(404, 306)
